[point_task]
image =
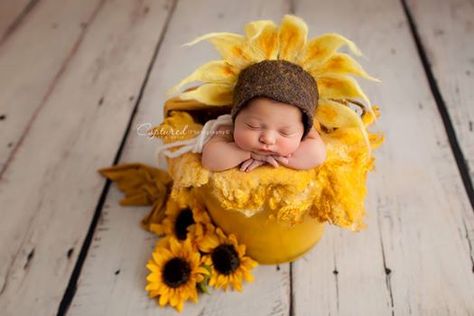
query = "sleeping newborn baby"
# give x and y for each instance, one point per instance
(265, 132)
(271, 122)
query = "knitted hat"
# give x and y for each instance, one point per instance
(281, 81)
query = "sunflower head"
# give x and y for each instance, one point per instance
(184, 219)
(319, 58)
(226, 257)
(181, 221)
(175, 271)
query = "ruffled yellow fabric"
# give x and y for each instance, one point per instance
(142, 185)
(177, 126)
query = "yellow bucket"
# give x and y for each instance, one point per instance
(267, 240)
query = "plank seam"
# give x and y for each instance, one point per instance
(19, 19)
(291, 6)
(8, 272)
(72, 284)
(387, 270)
(461, 162)
(291, 311)
(469, 244)
(20, 252)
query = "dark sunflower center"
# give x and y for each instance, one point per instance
(183, 221)
(225, 259)
(176, 272)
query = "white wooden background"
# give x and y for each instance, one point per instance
(77, 77)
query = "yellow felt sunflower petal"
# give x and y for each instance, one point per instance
(262, 36)
(369, 119)
(337, 115)
(254, 28)
(217, 71)
(232, 47)
(341, 63)
(319, 49)
(292, 37)
(210, 94)
(335, 86)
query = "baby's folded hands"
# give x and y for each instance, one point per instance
(257, 160)
(250, 164)
(282, 159)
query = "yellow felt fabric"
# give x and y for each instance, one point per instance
(142, 185)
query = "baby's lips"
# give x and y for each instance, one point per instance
(267, 152)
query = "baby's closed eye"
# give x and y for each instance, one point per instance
(287, 132)
(253, 126)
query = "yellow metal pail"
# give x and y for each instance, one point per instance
(267, 240)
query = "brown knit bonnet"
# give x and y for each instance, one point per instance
(281, 81)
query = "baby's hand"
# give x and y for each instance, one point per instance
(251, 164)
(268, 159)
(282, 159)
(257, 160)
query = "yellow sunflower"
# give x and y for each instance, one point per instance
(175, 271)
(264, 40)
(179, 221)
(227, 259)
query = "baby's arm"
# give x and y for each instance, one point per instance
(310, 153)
(221, 152)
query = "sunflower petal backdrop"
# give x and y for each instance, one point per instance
(263, 40)
(200, 247)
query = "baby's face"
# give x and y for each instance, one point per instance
(268, 127)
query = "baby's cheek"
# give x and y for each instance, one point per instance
(288, 146)
(243, 139)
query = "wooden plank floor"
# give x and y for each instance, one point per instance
(76, 79)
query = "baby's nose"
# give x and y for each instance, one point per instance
(267, 138)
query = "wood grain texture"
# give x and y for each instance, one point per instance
(415, 253)
(71, 75)
(32, 61)
(49, 194)
(446, 30)
(12, 14)
(100, 291)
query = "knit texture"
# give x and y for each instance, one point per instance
(281, 81)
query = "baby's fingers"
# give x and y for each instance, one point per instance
(255, 164)
(246, 164)
(271, 160)
(282, 159)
